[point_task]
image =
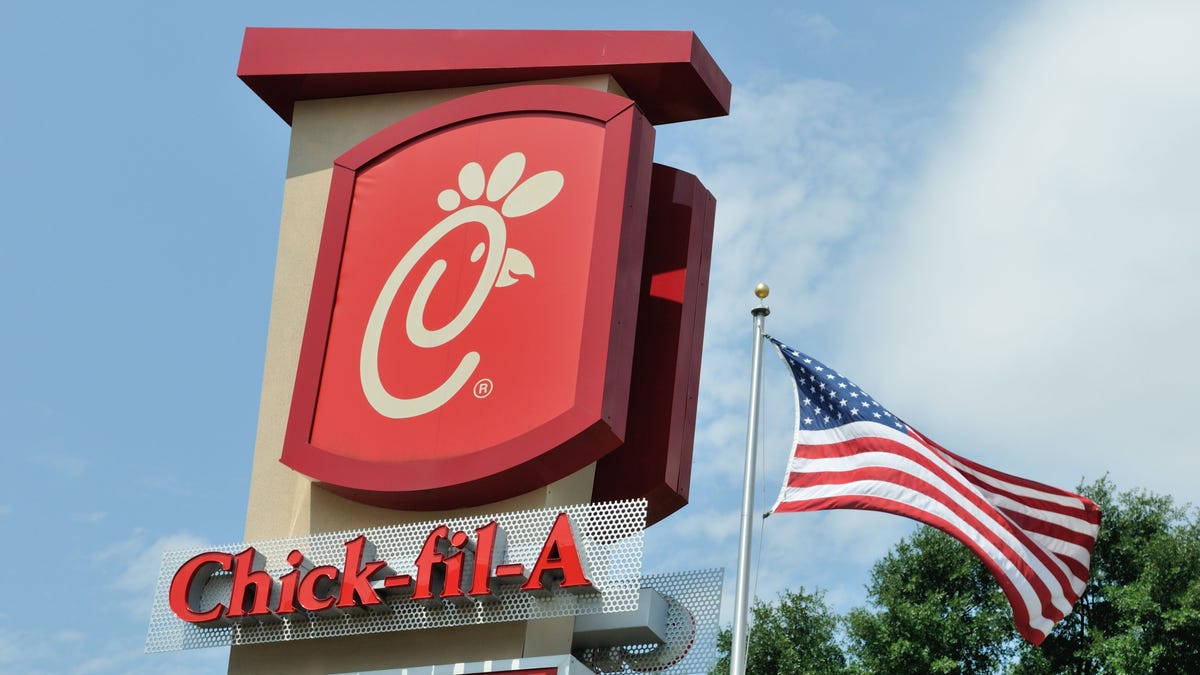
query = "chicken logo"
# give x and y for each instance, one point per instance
(502, 266)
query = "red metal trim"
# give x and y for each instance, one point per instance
(582, 434)
(669, 74)
(655, 460)
(627, 243)
(597, 105)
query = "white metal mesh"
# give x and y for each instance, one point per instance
(611, 538)
(693, 616)
(564, 665)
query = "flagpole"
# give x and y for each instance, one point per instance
(737, 655)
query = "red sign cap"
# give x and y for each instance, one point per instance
(668, 73)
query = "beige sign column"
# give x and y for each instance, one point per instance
(284, 503)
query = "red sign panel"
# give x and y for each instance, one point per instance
(470, 332)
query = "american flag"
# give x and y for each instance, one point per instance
(852, 453)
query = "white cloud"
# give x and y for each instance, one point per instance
(796, 170)
(808, 26)
(143, 566)
(799, 169)
(1038, 298)
(129, 659)
(91, 517)
(137, 563)
(83, 647)
(833, 550)
(1027, 298)
(64, 463)
(122, 549)
(79, 652)
(26, 652)
(9, 651)
(69, 636)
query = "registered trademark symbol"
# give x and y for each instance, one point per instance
(483, 388)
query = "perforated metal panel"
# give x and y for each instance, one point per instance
(611, 538)
(564, 664)
(692, 625)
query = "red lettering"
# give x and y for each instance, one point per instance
(252, 586)
(485, 551)
(356, 577)
(452, 586)
(311, 588)
(430, 564)
(289, 582)
(449, 566)
(559, 562)
(187, 588)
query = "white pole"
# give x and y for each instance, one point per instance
(737, 654)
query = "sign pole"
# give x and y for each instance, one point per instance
(737, 656)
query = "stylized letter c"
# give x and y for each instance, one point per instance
(187, 588)
(379, 398)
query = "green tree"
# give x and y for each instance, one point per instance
(1141, 610)
(934, 608)
(795, 636)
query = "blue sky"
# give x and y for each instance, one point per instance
(984, 213)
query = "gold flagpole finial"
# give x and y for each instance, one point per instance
(762, 291)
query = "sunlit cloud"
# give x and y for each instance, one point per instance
(1036, 300)
(90, 518)
(1026, 296)
(136, 561)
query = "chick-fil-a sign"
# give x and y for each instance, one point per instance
(452, 567)
(470, 331)
(463, 571)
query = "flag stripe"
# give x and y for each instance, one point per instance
(1050, 501)
(1028, 608)
(1008, 557)
(1078, 569)
(1077, 544)
(1022, 487)
(1065, 521)
(829, 444)
(851, 452)
(1013, 544)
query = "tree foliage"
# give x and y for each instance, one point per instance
(934, 608)
(1141, 610)
(794, 636)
